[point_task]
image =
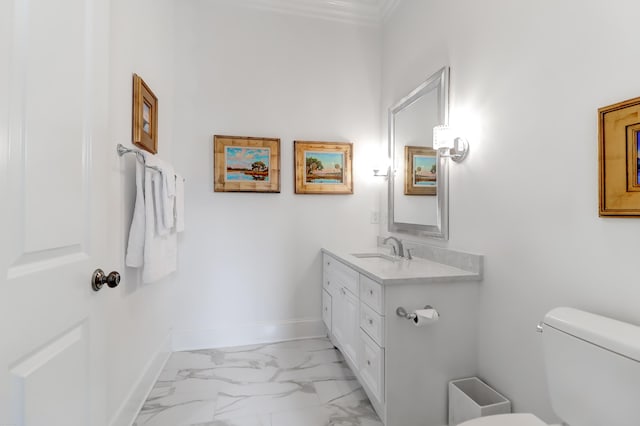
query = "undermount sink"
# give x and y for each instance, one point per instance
(375, 256)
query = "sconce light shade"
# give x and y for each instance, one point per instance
(449, 143)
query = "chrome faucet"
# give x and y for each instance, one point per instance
(400, 248)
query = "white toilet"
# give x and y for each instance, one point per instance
(593, 372)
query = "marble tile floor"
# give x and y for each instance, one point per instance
(296, 383)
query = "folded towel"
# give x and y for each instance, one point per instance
(160, 203)
(160, 251)
(168, 194)
(164, 190)
(135, 246)
(157, 254)
(179, 203)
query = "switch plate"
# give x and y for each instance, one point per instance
(375, 217)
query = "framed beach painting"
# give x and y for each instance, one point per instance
(246, 164)
(618, 159)
(145, 116)
(323, 167)
(420, 170)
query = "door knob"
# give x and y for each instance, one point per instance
(99, 279)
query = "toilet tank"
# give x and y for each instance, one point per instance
(593, 368)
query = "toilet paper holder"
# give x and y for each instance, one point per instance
(402, 312)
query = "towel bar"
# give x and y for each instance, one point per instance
(122, 150)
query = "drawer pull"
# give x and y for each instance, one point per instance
(370, 322)
(368, 363)
(371, 292)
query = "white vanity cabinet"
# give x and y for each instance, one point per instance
(404, 369)
(341, 287)
(355, 327)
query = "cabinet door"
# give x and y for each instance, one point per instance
(351, 325)
(346, 323)
(372, 366)
(337, 317)
(326, 309)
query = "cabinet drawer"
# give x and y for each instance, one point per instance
(372, 323)
(338, 275)
(371, 293)
(372, 366)
(326, 309)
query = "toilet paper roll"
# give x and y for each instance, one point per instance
(425, 317)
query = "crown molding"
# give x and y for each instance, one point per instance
(360, 12)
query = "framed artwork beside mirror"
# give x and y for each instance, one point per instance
(420, 165)
(323, 167)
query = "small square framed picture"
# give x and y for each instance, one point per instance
(323, 167)
(145, 116)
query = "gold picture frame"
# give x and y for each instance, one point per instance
(323, 167)
(246, 164)
(145, 116)
(420, 177)
(618, 162)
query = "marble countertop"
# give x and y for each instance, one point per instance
(401, 271)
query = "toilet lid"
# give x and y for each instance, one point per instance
(506, 420)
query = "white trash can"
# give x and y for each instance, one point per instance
(471, 398)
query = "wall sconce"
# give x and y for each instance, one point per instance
(382, 167)
(450, 143)
(378, 173)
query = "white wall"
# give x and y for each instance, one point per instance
(249, 264)
(526, 80)
(139, 316)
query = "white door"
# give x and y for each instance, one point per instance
(53, 220)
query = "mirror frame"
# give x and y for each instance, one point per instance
(440, 81)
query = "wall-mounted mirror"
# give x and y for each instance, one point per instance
(418, 182)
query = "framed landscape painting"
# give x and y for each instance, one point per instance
(323, 167)
(246, 164)
(420, 170)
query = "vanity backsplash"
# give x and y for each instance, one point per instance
(467, 261)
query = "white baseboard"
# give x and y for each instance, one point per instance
(184, 340)
(129, 409)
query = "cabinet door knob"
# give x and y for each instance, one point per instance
(371, 292)
(370, 322)
(368, 362)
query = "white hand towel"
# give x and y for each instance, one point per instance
(160, 251)
(135, 246)
(168, 194)
(164, 194)
(179, 203)
(160, 203)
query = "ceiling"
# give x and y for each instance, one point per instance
(367, 12)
